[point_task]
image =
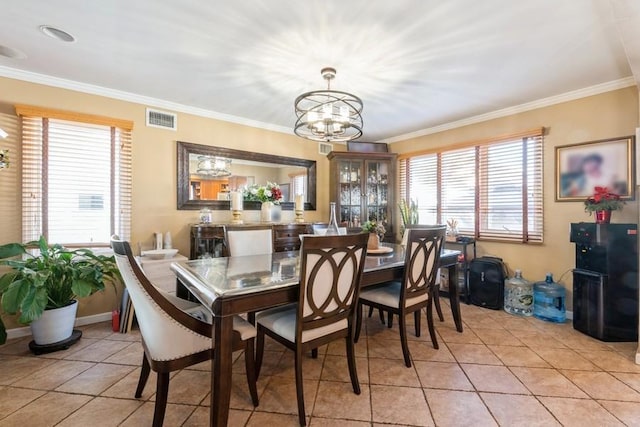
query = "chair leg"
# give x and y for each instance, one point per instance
(403, 339)
(356, 335)
(381, 314)
(299, 388)
(432, 330)
(144, 376)
(436, 299)
(351, 360)
(390, 322)
(250, 367)
(162, 392)
(416, 321)
(370, 311)
(314, 353)
(259, 351)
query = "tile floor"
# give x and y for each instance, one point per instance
(503, 370)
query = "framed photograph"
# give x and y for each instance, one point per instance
(606, 163)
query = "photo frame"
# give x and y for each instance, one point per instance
(604, 163)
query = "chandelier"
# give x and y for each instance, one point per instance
(214, 166)
(328, 115)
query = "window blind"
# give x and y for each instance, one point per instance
(298, 186)
(76, 181)
(458, 188)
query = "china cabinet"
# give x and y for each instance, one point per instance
(363, 187)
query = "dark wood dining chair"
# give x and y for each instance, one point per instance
(415, 292)
(330, 273)
(173, 336)
(248, 240)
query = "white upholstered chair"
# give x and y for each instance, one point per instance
(422, 257)
(321, 230)
(173, 336)
(330, 274)
(248, 240)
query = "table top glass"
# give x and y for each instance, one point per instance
(229, 276)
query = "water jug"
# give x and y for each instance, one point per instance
(549, 300)
(518, 295)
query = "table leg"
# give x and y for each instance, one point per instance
(221, 372)
(454, 298)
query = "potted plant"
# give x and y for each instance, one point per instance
(49, 282)
(376, 230)
(602, 203)
(270, 195)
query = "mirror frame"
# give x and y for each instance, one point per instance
(186, 148)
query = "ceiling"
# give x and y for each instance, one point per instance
(416, 64)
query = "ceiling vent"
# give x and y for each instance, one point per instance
(324, 148)
(162, 119)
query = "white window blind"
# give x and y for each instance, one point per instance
(76, 181)
(298, 186)
(493, 190)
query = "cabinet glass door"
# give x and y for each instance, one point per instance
(351, 173)
(377, 191)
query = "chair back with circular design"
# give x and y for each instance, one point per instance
(422, 258)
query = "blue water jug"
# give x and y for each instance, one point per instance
(549, 300)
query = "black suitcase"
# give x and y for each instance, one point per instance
(486, 282)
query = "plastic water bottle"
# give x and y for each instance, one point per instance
(549, 300)
(518, 295)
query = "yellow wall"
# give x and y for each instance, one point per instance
(608, 115)
(154, 166)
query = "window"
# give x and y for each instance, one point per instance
(76, 178)
(492, 189)
(298, 185)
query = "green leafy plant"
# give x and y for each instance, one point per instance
(603, 200)
(263, 193)
(51, 279)
(408, 212)
(374, 227)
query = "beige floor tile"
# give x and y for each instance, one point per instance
(101, 412)
(627, 412)
(330, 422)
(126, 387)
(336, 368)
(548, 382)
(514, 324)
(474, 353)
(188, 387)
(425, 351)
(270, 362)
(458, 408)
(496, 379)
(240, 397)
(386, 349)
(262, 419)
(311, 368)
(12, 399)
(539, 340)
(96, 379)
(131, 336)
(200, 417)
(485, 322)
(279, 395)
(518, 356)
(16, 347)
(579, 412)
(565, 359)
(53, 375)
(339, 348)
(497, 337)
(15, 368)
(99, 330)
(390, 372)
(442, 375)
(518, 410)
(337, 400)
(453, 336)
(611, 361)
(98, 351)
(400, 405)
(47, 410)
(602, 385)
(175, 415)
(632, 380)
(130, 355)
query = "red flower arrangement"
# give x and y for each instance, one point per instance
(603, 200)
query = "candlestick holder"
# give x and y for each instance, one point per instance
(299, 215)
(237, 217)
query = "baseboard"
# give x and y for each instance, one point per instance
(25, 331)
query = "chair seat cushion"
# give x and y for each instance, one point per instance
(282, 321)
(389, 295)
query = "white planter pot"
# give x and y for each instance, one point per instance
(54, 325)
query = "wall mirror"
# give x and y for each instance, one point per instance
(206, 175)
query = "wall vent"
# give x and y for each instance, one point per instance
(162, 119)
(324, 148)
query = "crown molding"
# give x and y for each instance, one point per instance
(509, 111)
(43, 79)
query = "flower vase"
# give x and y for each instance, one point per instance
(266, 211)
(373, 242)
(603, 217)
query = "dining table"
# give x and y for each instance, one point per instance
(229, 286)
